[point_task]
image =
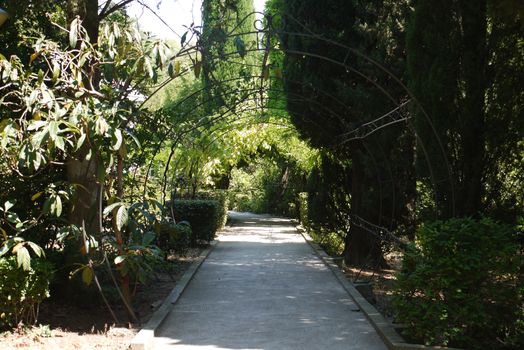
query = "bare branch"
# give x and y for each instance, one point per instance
(113, 9)
(158, 16)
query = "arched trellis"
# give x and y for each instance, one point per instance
(266, 32)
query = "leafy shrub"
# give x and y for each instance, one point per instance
(222, 196)
(21, 291)
(203, 215)
(303, 209)
(176, 236)
(223, 204)
(460, 285)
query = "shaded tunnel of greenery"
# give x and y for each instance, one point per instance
(380, 125)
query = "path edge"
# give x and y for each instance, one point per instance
(145, 338)
(384, 328)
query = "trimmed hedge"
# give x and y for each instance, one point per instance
(222, 196)
(203, 215)
(461, 286)
(175, 237)
(22, 291)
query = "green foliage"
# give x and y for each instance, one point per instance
(203, 215)
(176, 237)
(465, 62)
(338, 82)
(138, 226)
(332, 240)
(461, 286)
(303, 209)
(14, 243)
(245, 190)
(262, 187)
(222, 197)
(30, 19)
(227, 35)
(21, 291)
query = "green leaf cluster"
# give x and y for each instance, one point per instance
(21, 291)
(461, 285)
(204, 216)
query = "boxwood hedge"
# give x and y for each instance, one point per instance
(204, 217)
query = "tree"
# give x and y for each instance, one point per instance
(333, 88)
(229, 51)
(455, 68)
(70, 107)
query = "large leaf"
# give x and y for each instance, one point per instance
(171, 70)
(8, 205)
(39, 138)
(148, 238)
(36, 196)
(4, 249)
(55, 205)
(53, 129)
(87, 275)
(137, 142)
(73, 33)
(36, 248)
(80, 141)
(197, 68)
(121, 217)
(23, 258)
(59, 143)
(119, 259)
(110, 208)
(117, 140)
(101, 126)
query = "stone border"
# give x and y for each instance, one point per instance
(145, 338)
(384, 328)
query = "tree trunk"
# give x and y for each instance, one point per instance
(362, 248)
(474, 27)
(85, 211)
(82, 172)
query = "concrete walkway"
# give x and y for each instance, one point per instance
(264, 288)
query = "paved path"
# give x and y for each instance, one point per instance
(264, 288)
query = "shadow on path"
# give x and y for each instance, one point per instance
(263, 287)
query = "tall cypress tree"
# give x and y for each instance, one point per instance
(340, 91)
(229, 55)
(458, 52)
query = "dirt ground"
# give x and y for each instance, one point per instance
(62, 326)
(381, 282)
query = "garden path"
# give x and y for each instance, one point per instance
(263, 287)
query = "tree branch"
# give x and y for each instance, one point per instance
(107, 11)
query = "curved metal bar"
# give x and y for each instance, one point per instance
(267, 29)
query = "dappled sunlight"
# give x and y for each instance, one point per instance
(260, 239)
(263, 287)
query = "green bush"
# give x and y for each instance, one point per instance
(222, 196)
(175, 237)
(223, 204)
(203, 215)
(460, 286)
(303, 209)
(22, 291)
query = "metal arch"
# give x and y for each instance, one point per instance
(215, 119)
(395, 116)
(183, 132)
(370, 128)
(254, 108)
